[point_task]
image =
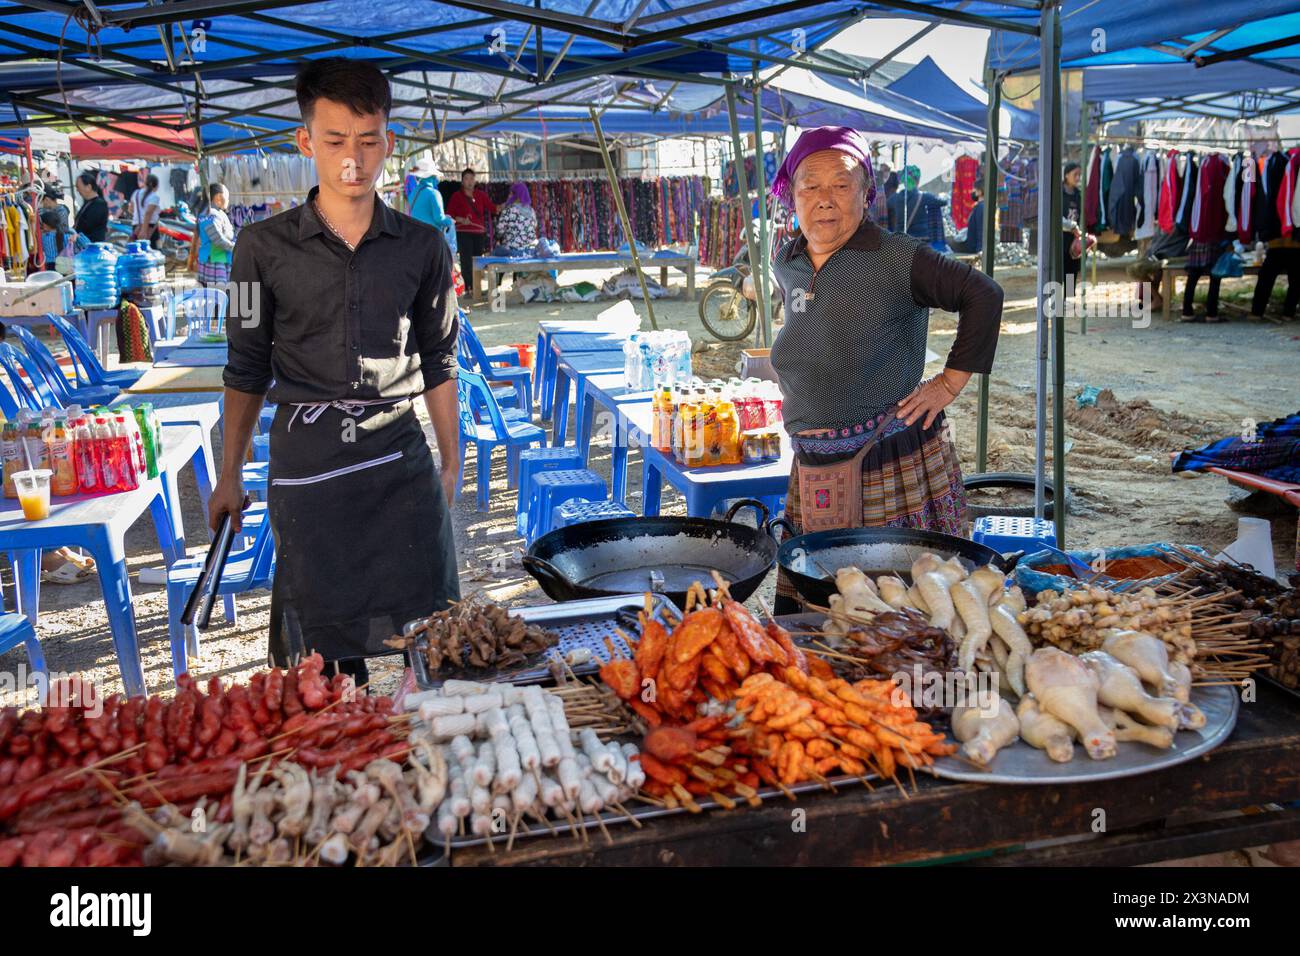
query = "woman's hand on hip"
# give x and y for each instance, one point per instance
(931, 397)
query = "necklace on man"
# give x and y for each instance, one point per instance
(331, 227)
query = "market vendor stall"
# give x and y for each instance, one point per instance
(522, 737)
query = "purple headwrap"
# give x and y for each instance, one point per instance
(519, 194)
(843, 138)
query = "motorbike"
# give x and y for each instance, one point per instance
(728, 307)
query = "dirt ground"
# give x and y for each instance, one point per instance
(1173, 384)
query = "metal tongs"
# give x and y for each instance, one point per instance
(199, 604)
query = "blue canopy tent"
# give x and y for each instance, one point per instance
(1121, 32)
(1229, 89)
(928, 83)
(253, 43)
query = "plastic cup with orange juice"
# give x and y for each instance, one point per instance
(34, 492)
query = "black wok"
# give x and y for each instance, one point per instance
(811, 560)
(662, 554)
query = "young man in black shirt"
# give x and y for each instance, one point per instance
(343, 314)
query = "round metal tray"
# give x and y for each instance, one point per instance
(1020, 763)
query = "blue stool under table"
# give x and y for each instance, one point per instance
(534, 461)
(15, 629)
(578, 511)
(552, 488)
(1005, 535)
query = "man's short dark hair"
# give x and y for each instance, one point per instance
(467, 171)
(357, 84)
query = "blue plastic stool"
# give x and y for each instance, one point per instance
(1004, 534)
(578, 511)
(262, 447)
(534, 461)
(552, 488)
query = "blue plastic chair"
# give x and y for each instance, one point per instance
(28, 382)
(476, 399)
(249, 569)
(204, 310)
(84, 361)
(8, 404)
(15, 629)
(498, 354)
(83, 395)
(473, 355)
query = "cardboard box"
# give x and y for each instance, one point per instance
(757, 363)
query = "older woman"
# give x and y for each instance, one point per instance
(870, 440)
(517, 225)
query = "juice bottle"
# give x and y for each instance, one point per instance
(692, 433)
(37, 452)
(678, 428)
(62, 459)
(126, 456)
(663, 419)
(729, 434)
(710, 437)
(12, 457)
(83, 445)
(106, 454)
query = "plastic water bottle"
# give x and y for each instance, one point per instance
(96, 271)
(141, 269)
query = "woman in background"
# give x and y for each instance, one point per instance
(1072, 220)
(146, 206)
(92, 218)
(216, 239)
(517, 225)
(426, 201)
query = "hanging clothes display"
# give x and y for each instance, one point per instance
(1107, 176)
(1171, 183)
(1230, 192)
(731, 185)
(580, 214)
(1286, 195)
(965, 173)
(722, 231)
(1092, 195)
(1150, 179)
(1125, 197)
(1270, 185)
(1187, 196)
(1017, 198)
(1248, 198)
(20, 232)
(1209, 216)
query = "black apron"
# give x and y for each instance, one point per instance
(363, 536)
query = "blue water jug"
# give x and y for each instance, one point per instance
(141, 269)
(96, 272)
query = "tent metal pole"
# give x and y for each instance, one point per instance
(763, 283)
(989, 247)
(742, 179)
(1085, 162)
(622, 215)
(1058, 270)
(1050, 250)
